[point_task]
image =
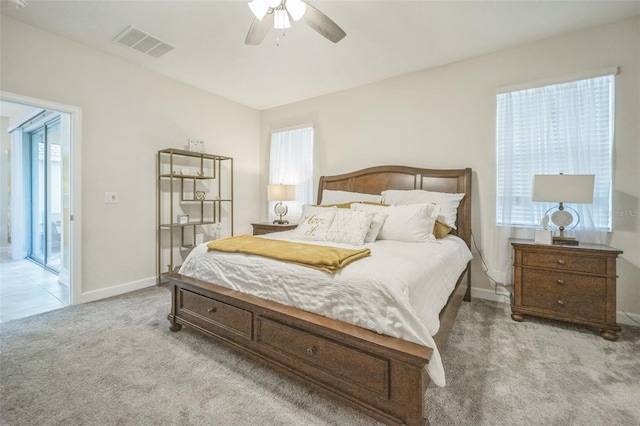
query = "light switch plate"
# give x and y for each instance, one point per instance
(111, 197)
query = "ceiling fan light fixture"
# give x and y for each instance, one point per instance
(259, 8)
(281, 19)
(296, 9)
(278, 15)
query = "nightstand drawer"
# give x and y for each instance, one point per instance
(577, 306)
(564, 283)
(565, 261)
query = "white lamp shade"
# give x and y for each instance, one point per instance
(563, 188)
(281, 192)
(259, 8)
(296, 9)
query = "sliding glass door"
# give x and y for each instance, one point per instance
(46, 195)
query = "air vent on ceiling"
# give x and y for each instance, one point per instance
(136, 39)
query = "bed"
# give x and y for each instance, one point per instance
(382, 376)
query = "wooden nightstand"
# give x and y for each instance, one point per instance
(566, 283)
(268, 227)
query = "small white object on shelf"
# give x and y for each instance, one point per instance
(196, 145)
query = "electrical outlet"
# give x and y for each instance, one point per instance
(110, 197)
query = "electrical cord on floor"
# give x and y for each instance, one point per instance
(628, 316)
(485, 268)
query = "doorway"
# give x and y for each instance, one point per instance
(42, 195)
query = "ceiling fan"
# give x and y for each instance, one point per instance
(276, 13)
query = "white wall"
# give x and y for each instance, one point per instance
(128, 114)
(445, 118)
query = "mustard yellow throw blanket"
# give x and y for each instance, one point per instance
(329, 259)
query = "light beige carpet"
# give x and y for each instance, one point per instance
(101, 364)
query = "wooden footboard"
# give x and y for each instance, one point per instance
(383, 377)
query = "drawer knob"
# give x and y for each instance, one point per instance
(560, 282)
(561, 302)
(212, 310)
(311, 351)
(560, 262)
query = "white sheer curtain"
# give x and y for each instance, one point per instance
(291, 163)
(562, 128)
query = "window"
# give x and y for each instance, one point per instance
(561, 128)
(291, 163)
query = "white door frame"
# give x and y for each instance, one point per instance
(75, 223)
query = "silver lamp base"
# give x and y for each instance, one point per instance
(281, 210)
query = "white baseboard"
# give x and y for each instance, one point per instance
(116, 290)
(627, 318)
(499, 295)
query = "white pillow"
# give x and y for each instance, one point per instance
(350, 226)
(375, 227)
(330, 196)
(411, 223)
(315, 223)
(448, 202)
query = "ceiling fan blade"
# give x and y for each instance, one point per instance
(323, 24)
(259, 30)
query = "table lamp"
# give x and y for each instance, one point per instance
(281, 193)
(563, 189)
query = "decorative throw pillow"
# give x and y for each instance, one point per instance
(330, 196)
(448, 202)
(375, 227)
(315, 223)
(440, 230)
(350, 226)
(411, 223)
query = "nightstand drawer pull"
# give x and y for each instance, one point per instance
(212, 310)
(560, 262)
(560, 282)
(311, 351)
(561, 302)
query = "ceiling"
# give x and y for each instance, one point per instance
(384, 39)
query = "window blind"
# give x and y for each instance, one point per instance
(291, 163)
(561, 128)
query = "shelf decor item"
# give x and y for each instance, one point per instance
(563, 189)
(281, 193)
(196, 145)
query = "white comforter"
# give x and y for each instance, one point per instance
(398, 291)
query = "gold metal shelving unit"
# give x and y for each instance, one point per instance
(197, 188)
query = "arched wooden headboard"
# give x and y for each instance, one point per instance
(374, 180)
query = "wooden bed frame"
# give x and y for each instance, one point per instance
(381, 376)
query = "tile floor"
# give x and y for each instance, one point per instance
(27, 289)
